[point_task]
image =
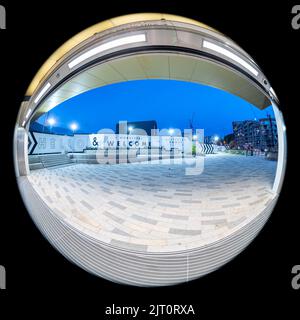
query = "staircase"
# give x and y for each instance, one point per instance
(35, 162)
(48, 160)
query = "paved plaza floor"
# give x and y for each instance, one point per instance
(156, 207)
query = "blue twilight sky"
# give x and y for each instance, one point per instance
(170, 102)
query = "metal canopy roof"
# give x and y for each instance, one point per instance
(156, 66)
(100, 27)
(172, 48)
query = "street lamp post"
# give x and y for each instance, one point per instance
(171, 131)
(51, 122)
(216, 139)
(73, 127)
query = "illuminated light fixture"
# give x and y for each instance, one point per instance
(23, 124)
(28, 113)
(216, 138)
(74, 126)
(51, 121)
(229, 54)
(284, 128)
(273, 92)
(47, 86)
(171, 131)
(130, 129)
(195, 137)
(106, 46)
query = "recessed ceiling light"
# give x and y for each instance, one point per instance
(47, 86)
(229, 54)
(107, 46)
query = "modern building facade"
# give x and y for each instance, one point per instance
(268, 134)
(258, 134)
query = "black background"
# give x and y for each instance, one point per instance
(261, 275)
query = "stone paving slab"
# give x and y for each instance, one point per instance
(156, 205)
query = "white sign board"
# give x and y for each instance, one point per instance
(42, 143)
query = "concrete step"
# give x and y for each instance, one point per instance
(35, 166)
(48, 160)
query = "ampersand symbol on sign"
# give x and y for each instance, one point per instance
(95, 142)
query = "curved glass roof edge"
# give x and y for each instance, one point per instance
(96, 46)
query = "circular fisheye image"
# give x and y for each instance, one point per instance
(150, 149)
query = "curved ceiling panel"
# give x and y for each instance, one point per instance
(156, 66)
(100, 27)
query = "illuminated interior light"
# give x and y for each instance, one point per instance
(107, 46)
(47, 86)
(273, 92)
(229, 54)
(28, 113)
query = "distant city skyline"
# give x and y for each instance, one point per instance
(171, 103)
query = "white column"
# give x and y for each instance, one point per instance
(282, 149)
(21, 152)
